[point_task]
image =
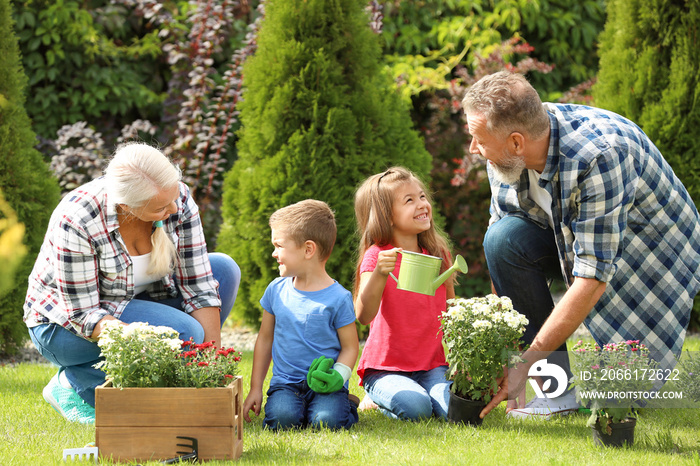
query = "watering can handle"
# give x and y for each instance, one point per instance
(391, 274)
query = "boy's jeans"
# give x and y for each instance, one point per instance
(522, 257)
(295, 405)
(76, 356)
(409, 395)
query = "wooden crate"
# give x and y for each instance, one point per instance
(143, 423)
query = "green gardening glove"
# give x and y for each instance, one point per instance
(314, 366)
(322, 378)
(326, 382)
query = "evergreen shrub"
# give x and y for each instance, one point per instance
(318, 116)
(25, 180)
(650, 73)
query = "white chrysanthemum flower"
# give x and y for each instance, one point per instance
(482, 324)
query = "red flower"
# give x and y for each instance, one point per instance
(228, 376)
(202, 364)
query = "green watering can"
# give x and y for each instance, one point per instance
(420, 273)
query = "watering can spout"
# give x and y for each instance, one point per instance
(459, 264)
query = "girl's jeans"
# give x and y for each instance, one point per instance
(295, 405)
(409, 395)
(76, 356)
(522, 259)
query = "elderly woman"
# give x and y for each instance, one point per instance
(127, 246)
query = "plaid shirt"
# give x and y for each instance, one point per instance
(83, 272)
(621, 216)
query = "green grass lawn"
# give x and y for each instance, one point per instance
(34, 434)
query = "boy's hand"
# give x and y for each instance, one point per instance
(314, 366)
(252, 402)
(327, 382)
(322, 378)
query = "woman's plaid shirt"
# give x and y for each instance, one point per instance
(83, 269)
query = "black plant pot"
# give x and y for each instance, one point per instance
(622, 433)
(464, 410)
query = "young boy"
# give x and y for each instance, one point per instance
(307, 329)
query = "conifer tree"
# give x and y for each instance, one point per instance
(650, 73)
(318, 116)
(25, 180)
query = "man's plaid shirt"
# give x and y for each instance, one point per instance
(83, 270)
(621, 216)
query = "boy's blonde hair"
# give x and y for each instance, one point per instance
(308, 220)
(374, 202)
(134, 176)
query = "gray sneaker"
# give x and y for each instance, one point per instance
(68, 403)
(545, 408)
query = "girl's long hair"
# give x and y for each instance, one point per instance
(374, 200)
(135, 175)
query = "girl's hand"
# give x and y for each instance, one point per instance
(386, 261)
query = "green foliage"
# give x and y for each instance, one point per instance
(650, 73)
(24, 178)
(318, 116)
(12, 250)
(424, 39)
(82, 70)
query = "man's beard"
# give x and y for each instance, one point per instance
(510, 168)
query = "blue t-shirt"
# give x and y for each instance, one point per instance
(306, 326)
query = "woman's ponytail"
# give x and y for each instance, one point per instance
(163, 255)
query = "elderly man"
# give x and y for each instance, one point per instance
(581, 194)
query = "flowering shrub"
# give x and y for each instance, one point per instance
(142, 355)
(689, 376)
(622, 367)
(479, 333)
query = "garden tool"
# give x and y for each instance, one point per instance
(420, 273)
(81, 453)
(185, 456)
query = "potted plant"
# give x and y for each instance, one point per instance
(160, 390)
(480, 334)
(612, 378)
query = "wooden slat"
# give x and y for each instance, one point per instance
(144, 444)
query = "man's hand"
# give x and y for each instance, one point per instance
(516, 385)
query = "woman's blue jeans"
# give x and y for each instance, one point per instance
(522, 259)
(295, 405)
(77, 356)
(409, 395)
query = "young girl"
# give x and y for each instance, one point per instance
(403, 365)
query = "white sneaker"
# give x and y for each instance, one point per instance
(545, 408)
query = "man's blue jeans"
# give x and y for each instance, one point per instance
(77, 356)
(409, 395)
(295, 405)
(522, 259)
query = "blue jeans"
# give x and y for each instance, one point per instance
(77, 356)
(296, 406)
(522, 259)
(409, 395)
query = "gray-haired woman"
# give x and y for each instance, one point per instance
(127, 246)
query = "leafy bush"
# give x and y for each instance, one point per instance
(25, 179)
(319, 115)
(650, 73)
(421, 37)
(79, 70)
(12, 250)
